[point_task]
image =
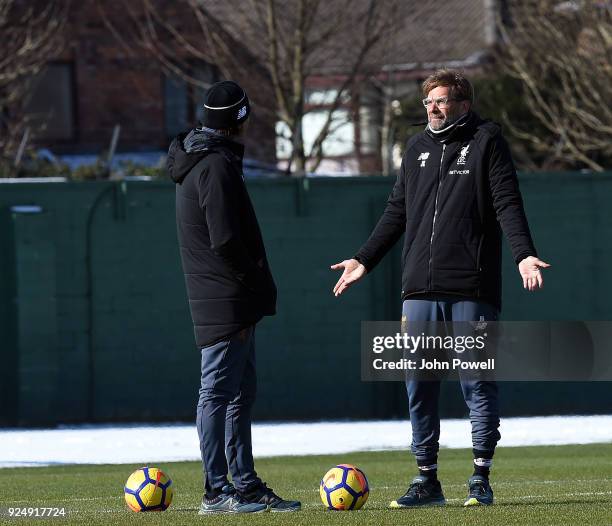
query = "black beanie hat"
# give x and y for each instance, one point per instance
(226, 105)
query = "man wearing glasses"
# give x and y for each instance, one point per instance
(456, 191)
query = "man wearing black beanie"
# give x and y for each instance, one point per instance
(230, 288)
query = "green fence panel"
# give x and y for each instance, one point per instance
(96, 327)
(9, 347)
(39, 367)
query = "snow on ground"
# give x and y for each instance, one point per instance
(142, 444)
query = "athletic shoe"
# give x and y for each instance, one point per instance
(262, 494)
(480, 492)
(229, 501)
(422, 492)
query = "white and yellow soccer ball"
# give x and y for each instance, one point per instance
(344, 487)
(148, 489)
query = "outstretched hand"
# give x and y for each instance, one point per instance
(353, 272)
(531, 274)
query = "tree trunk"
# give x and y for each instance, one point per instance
(298, 159)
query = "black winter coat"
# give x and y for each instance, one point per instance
(450, 199)
(227, 276)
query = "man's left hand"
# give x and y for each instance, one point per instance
(531, 273)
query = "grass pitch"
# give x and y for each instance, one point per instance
(533, 485)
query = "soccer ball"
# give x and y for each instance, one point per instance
(148, 489)
(344, 487)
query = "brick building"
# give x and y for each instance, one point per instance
(103, 79)
(107, 77)
(423, 36)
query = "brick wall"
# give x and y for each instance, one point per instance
(118, 82)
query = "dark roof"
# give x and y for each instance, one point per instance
(429, 34)
(426, 33)
(453, 31)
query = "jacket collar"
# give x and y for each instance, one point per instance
(205, 139)
(455, 130)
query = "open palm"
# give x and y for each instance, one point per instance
(353, 271)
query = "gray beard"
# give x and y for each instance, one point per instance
(447, 122)
(440, 124)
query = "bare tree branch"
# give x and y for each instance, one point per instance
(373, 33)
(561, 54)
(30, 37)
(282, 42)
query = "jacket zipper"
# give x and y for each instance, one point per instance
(433, 222)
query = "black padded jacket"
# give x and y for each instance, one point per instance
(452, 198)
(227, 276)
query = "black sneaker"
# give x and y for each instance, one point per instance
(480, 492)
(262, 494)
(422, 492)
(228, 501)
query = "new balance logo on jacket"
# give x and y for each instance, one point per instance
(423, 158)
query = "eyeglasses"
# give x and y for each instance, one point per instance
(441, 102)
